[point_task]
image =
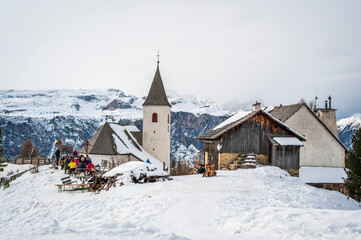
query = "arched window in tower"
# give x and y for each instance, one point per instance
(168, 118)
(154, 117)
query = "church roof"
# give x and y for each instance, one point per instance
(156, 95)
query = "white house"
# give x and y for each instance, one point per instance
(117, 143)
(323, 154)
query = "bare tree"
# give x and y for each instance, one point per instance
(29, 150)
(116, 161)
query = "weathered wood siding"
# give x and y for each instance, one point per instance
(251, 136)
(286, 157)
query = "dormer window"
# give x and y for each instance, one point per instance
(154, 117)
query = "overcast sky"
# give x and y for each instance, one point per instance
(279, 51)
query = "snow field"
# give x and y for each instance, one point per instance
(261, 203)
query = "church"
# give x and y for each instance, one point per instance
(114, 142)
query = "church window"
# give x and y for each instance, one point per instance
(154, 117)
(168, 118)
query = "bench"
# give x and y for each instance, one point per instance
(61, 187)
(66, 181)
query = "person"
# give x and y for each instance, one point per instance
(75, 153)
(82, 167)
(62, 163)
(148, 161)
(66, 163)
(57, 155)
(76, 161)
(90, 167)
(72, 166)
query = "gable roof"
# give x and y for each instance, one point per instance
(116, 139)
(283, 113)
(156, 95)
(232, 122)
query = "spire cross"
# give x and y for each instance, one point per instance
(158, 57)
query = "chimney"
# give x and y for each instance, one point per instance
(328, 116)
(256, 106)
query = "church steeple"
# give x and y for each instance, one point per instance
(157, 95)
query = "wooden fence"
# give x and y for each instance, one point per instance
(33, 161)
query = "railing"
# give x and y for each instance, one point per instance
(33, 161)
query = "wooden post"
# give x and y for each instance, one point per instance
(205, 158)
(219, 161)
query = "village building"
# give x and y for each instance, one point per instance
(118, 143)
(156, 121)
(255, 133)
(322, 159)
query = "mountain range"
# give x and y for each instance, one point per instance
(75, 115)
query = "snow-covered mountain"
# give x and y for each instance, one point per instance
(75, 115)
(347, 127)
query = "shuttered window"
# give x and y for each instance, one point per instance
(154, 117)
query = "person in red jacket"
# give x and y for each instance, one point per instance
(90, 167)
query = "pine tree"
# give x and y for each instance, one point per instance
(353, 167)
(2, 165)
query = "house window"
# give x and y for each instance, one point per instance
(154, 117)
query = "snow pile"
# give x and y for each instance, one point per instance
(126, 170)
(261, 203)
(12, 169)
(322, 174)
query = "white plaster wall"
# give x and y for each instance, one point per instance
(156, 135)
(321, 149)
(97, 159)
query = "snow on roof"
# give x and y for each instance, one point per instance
(132, 128)
(322, 174)
(125, 143)
(288, 141)
(239, 115)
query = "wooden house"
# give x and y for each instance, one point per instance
(257, 133)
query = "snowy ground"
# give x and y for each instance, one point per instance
(262, 203)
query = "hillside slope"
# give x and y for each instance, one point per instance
(262, 203)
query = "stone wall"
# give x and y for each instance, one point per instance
(228, 158)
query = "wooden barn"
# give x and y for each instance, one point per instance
(252, 133)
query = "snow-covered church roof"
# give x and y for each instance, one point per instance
(116, 139)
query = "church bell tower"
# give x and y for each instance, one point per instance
(156, 121)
